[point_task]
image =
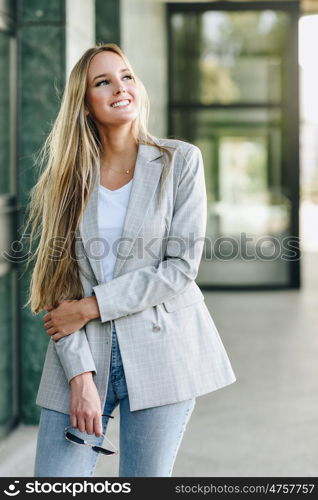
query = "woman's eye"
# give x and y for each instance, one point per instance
(107, 81)
(99, 83)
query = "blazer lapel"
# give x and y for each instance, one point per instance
(145, 181)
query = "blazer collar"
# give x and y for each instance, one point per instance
(145, 181)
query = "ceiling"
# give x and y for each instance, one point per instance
(307, 6)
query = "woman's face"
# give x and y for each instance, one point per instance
(108, 81)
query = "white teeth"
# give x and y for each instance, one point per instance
(120, 103)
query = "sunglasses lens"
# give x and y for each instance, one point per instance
(73, 438)
(98, 449)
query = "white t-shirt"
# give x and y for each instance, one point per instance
(112, 207)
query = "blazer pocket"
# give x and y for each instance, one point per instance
(184, 299)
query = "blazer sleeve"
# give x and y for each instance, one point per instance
(75, 354)
(150, 285)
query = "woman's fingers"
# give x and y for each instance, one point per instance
(48, 324)
(89, 425)
(81, 423)
(73, 420)
(56, 337)
(93, 425)
(52, 331)
(98, 428)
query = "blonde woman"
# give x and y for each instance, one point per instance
(121, 219)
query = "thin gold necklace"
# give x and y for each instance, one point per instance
(123, 172)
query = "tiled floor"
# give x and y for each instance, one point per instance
(263, 424)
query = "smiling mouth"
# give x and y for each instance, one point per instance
(126, 101)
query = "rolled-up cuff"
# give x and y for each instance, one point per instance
(75, 355)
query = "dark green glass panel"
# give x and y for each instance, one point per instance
(242, 152)
(5, 118)
(33, 349)
(227, 57)
(42, 10)
(107, 21)
(230, 95)
(7, 354)
(41, 83)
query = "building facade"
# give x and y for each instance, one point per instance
(222, 75)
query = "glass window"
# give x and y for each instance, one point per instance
(228, 57)
(229, 95)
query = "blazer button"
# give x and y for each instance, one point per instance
(155, 328)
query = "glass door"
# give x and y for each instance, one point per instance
(233, 91)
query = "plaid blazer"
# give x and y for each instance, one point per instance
(170, 347)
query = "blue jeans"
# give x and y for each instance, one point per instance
(149, 438)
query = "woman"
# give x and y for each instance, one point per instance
(122, 219)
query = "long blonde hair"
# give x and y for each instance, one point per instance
(57, 201)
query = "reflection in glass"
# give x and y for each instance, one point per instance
(227, 57)
(227, 93)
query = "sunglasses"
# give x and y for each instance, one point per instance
(98, 449)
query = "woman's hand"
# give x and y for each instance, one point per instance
(65, 319)
(85, 405)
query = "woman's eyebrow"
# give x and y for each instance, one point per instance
(106, 74)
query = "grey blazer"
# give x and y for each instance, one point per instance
(170, 347)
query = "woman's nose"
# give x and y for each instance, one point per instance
(120, 89)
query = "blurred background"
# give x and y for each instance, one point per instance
(239, 80)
